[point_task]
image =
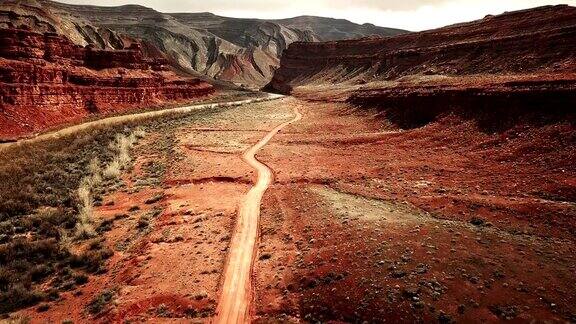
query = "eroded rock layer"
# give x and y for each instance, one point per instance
(541, 40)
(495, 106)
(46, 81)
(242, 51)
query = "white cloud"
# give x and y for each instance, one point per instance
(407, 14)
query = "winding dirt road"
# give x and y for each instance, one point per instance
(236, 293)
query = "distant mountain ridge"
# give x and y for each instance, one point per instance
(243, 51)
(330, 29)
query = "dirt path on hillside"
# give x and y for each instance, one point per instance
(236, 294)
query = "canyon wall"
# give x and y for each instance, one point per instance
(242, 51)
(47, 81)
(510, 77)
(541, 40)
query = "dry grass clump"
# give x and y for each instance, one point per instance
(113, 170)
(94, 170)
(121, 147)
(41, 218)
(85, 225)
(121, 160)
(139, 132)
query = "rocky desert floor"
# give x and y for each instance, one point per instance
(363, 223)
(369, 223)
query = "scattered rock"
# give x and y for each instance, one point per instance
(154, 199)
(504, 312)
(444, 318)
(411, 291)
(265, 256)
(398, 273)
(43, 308)
(134, 208)
(477, 221)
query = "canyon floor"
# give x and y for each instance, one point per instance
(362, 222)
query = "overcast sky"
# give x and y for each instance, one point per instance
(413, 15)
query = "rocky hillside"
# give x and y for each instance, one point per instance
(328, 29)
(46, 81)
(243, 51)
(540, 40)
(512, 75)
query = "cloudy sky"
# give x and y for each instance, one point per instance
(413, 15)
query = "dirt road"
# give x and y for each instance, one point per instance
(134, 117)
(236, 294)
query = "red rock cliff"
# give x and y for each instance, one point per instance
(46, 81)
(530, 41)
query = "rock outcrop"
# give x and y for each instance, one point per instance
(495, 105)
(46, 81)
(541, 40)
(242, 51)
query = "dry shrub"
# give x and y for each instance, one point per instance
(95, 172)
(36, 198)
(84, 230)
(121, 147)
(85, 225)
(112, 170)
(139, 132)
(100, 302)
(65, 241)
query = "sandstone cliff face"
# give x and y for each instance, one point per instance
(243, 51)
(46, 81)
(538, 40)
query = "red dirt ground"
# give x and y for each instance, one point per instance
(170, 270)
(363, 223)
(366, 223)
